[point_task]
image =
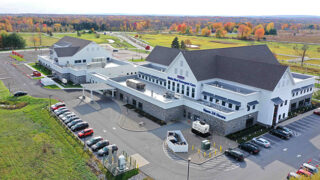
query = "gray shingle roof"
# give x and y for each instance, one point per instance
(68, 46)
(250, 65)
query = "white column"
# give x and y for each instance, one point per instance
(83, 91)
(112, 93)
(91, 95)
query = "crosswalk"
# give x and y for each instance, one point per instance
(219, 163)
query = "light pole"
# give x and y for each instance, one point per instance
(189, 159)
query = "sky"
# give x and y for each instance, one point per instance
(164, 7)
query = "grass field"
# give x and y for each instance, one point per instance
(51, 87)
(118, 43)
(40, 68)
(17, 58)
(34, 145)
(137, 60)
(212, 42)
(313, 62)
(45, 40)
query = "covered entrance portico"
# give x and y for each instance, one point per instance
(97, 87)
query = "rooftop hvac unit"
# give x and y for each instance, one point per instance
(135, 84)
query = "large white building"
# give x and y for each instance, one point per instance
(80, 61)
(229, 88)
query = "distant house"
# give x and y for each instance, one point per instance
(74, 51)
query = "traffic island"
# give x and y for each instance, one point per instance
(200, 154)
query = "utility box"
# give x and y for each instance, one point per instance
(121, 163)
(205, 145)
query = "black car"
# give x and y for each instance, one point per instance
(94, 140)
(285, 130)
(99, 145)
(105, 150)
(19, 93)
(234, 154)
(80, 126)
(279, 133)
(249, 147)
(71, 119)
(62, 111)
(74, 122)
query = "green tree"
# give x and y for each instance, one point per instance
(183, 45)
(13, 41)
(175, 43)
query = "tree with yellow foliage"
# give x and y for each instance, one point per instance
(220, 33)
(205, 32)
(244, 31)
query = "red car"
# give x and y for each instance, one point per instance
(55, 107)
(36, 73)
(304, 172)
(317, 111)
(85, 133)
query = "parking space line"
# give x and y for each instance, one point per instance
(292, 127)
(309, 120)
(301, 124)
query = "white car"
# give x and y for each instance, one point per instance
(261, 142)
(65, 114)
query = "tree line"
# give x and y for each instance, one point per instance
(11, 41)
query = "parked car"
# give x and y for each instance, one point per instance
(249, 147)
(105, 150)
(62, 111)
(85, 133)
(293, 175)
(57, 105)
(279, 133)
(69, 120)
(234, 154)
(59, 109)
(304, 172)
(285, 130)
(262, 142)
(36, 73)
(71, 115)
(74, 122)
(310, 168)
(79, 126)
(19, 93)
(65, 114)
(317, 111)
(99, 145)
(94, 140)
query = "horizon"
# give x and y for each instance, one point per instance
(245, 8)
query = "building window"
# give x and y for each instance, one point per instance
(182, 89)
(283, 115)
(140, 105)
(254, 107)
(161, 83)
(248, 108)
(189, 115)
(205, 97)
(237, 108)
(292, 94)
(223, 103)
(285, 102)
(184, 113)
(279, 117)
(178, 87)
(297, 93)
(84, 61)
(211, 98)
(175, 70)
(173, 86)
(193, 91)
(230, 106)
(300, 103)
(164, 84)
(188, 91)
(139, 75)
(307, 100)
(134, 102)
(281, 104)
(77, 61)
(157, 81)
(300, 92)
(217, 100)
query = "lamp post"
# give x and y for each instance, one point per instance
(189, 159)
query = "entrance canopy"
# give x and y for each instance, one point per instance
(277, 100)
(97, 86)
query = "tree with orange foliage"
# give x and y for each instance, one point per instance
(173, 27)
(259, 33)
(244, 31)
(217, 25)
(205, 32)
(220, 33)
(182, 28)
(256, 28)
(229, 26)
(284, 26)
(35, 40)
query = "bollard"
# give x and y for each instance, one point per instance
(192, 147)
(198, 151)
(209, 154)
(204, 154)
(220, 148)
(137, 166)
(214, 145)
(215, 152)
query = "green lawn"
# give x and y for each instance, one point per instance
(34, 145)
(51, 87)
(313, 62)
(68, 85)
(137, 60)
(212, 42)
(45, 40)
(40, 68)
(17, 58)
(118, 43)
